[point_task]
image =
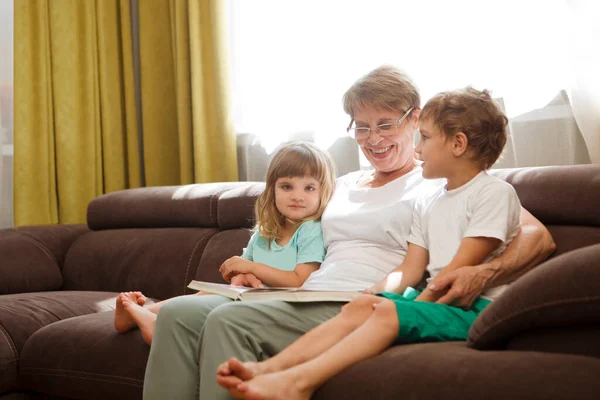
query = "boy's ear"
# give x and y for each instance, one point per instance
(460, 144)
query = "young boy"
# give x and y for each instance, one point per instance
(468, 221)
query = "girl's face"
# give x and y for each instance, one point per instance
(391, 152)
(297, 197)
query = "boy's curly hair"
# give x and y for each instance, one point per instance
(474, 113)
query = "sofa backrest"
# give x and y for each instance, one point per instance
(158, 239)
(564, 198)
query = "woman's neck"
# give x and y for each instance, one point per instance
(381, 178)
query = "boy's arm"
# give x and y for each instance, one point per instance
(472, 251)
(530, 247)
(409, 273)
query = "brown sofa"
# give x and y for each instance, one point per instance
(58, 286)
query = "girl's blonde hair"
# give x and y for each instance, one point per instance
(296, 159)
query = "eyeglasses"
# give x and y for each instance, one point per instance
(363, 132)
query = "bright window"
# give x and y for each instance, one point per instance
(293, 60)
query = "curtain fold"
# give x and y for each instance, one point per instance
(76, 136)
(188, 127)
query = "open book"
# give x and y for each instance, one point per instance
(284, 294)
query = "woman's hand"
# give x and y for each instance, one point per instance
(234, 266)
(461, 287)
(247, 280)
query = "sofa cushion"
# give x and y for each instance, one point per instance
(578, 339)
(160, 262)
(221, 246)
(85, 358)
(31, 258)
(570, 237)
(562, 292)
(23, 314)
(549, 192)
(236, 206)
(175, 206)
(451, 371)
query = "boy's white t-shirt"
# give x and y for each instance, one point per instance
(366, 230)
(485, 206)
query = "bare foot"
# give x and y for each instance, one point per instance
(243, 370)
(143, 318)
(277, 386)
(233, 372)
(123, 321)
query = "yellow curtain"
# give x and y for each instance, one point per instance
(187, 123)
(75, 121)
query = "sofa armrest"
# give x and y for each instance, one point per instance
(31, 258)
(560, 293)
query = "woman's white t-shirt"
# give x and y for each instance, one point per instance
(366, 230)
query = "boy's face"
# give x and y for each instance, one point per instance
(435, 150)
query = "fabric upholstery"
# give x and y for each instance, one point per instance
(83, 357)
(160, 262)
(175, 206)
(550, 192)
(21, 315)
(574, 339)
(560, 292)
(451, 371)
(32, 257)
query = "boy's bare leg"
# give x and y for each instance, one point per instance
(299, 383)
(312, 344)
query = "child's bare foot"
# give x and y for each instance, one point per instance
(143, 318)
(123, 321)
(243, 370)
(277, 386)
(233, 372)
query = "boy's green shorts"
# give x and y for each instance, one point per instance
(432, 322)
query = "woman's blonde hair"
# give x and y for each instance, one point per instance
(384, 88)
(296, 159)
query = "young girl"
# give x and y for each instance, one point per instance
(287, 245)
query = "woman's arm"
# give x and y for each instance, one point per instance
(530, 247)
(472, 251)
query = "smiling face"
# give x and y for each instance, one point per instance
(436, 151)
(388, 153)
(297, 198)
